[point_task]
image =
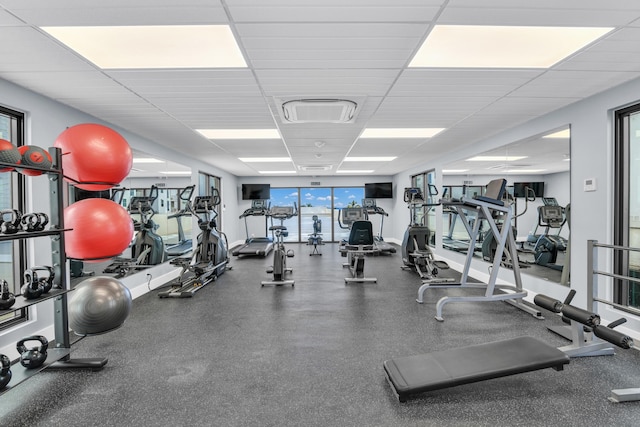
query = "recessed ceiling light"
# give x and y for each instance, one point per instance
(264, 159)
(454, 170)
(276, 171)
(484, 46)
(566, 133)
(354, 171)
(153, 46)
(146, 160)
(369, 159)
(400, 132)
(495, 158)
(176, 172)
(240, 133)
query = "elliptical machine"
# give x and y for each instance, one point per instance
(210, 258)
(280, 253)
(148, 247)
(416, 253)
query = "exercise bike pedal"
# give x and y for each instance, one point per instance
(270, 270)
(290, 253)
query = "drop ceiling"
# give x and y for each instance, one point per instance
(359, 49)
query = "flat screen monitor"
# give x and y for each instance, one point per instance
(519, 189)
(378, 190)
(256, 191)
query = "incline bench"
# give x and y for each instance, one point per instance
(449, 368)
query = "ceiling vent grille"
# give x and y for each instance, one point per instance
(315, 168)
(319, 111)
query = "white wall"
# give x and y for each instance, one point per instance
(592, 143)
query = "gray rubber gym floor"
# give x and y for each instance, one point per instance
(240, 355)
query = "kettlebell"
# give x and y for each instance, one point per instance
(7, 299)
(32, 287)
(46, 282)
(30, 222)
(44, 220)
(5, 371)
(33, 357)
(11, 226)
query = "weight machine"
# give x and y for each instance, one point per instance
(280, 253)
(210, 258)
(493, 209)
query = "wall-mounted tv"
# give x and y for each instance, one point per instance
(519, 189)
(256, 191)
(378, 190)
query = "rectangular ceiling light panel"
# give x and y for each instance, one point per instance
(155, 46)
(483, 46)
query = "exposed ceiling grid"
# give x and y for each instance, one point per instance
(318, 48)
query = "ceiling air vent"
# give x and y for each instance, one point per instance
(319, 111)
(315, 168)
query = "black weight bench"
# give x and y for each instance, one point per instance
(449, 368)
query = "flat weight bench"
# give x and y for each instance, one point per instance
(449, 368)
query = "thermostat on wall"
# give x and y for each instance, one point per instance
(590, 184)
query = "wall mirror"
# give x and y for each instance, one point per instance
(537, 170)
(173, 224)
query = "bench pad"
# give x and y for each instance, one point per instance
(449, 368)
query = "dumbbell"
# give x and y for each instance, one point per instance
(5, 371)
(12, 225)
(32, 287)
(7, 299)
(33, 357)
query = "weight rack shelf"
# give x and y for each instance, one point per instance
(58, 357)
(22, 302)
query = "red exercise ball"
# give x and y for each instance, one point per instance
(9, 154)
(102, 229)
(34, 156)
(93, 153)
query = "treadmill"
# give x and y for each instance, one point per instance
(371, 208)
(255, 246)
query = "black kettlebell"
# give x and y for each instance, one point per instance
(5, 371)
(47, 281)
(33, 357)
(32, 287)
(30, 222)
(7, 299)
(12, 225)
(44, 220)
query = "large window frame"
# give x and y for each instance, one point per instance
(626, 202)
(13, 131)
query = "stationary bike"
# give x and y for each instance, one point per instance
(280, 253)
(360, 243)
(210, 258)
(315, 239)
(416, 253)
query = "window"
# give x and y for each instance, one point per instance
(627, 203)
(13, 252)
